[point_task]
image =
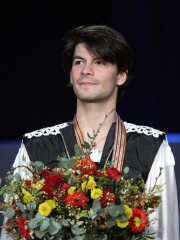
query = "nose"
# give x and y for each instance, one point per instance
(87, 69)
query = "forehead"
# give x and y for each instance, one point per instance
(82, 51)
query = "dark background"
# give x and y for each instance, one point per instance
(33, 91)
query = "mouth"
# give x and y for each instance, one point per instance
(85, 83)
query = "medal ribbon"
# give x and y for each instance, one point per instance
(119, 141)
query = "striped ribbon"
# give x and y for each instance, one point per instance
(119, 144)
(119, 141)
(78, 133)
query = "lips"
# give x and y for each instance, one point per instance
(87, 83)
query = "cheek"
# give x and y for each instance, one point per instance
(111, 81)
(74, 75)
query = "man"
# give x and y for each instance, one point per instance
(98, 60)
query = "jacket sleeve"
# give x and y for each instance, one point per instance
(22, 159)
(167, 225)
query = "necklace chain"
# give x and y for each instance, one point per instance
(96, 143)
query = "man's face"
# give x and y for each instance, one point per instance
(93, 79)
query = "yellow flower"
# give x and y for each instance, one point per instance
(38, 185)
(128, 211)
(96, 193)
(51, 203)
(44, 209)
(71, 190)
(122, 224)
(28, 197)
(84, 213)
(137, 221)
(83, 185)
(23, 190)
(91, 183)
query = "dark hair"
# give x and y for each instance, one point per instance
(102, 41)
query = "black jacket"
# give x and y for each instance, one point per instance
(141, 146)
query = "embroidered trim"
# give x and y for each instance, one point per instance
(130, 127)
(47, 131)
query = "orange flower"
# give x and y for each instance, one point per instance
(84, 163)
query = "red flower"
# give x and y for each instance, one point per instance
(65, 186)
(45, 172)
(112, 173)
(28, 182)
(139, 220)
(52, 183)
(61, 195)
(91, 172)
(77, 199)
(54, 180)
(22, 226)
(107, 198)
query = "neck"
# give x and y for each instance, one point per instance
(93, 119)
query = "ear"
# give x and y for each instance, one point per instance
(121, 78)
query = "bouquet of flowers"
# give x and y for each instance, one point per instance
(77, 201)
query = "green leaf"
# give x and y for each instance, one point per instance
(111, 222)
(54, 227)
(17, 177)
(39, 165)
(10, 177)
(115, 210)
(45, 224)
(126, 170)
(39, 234)
(20, 206)
(39, 220)
(92, 213)
(77, 230)
(39, 217)
(65, 222)
(96, 206)
(122, 218)
(3, 190)
(65, 163)
(78, 150)
(82, 237)
(33, 223)
(31, 206)
(9, 212)
(86, 145)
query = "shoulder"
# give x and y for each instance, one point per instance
(47, 143)
(143, 130)
(142, 146)
(53, 130)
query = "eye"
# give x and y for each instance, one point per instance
(77, 62)
(100, 62)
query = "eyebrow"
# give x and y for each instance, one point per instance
(79, 57)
